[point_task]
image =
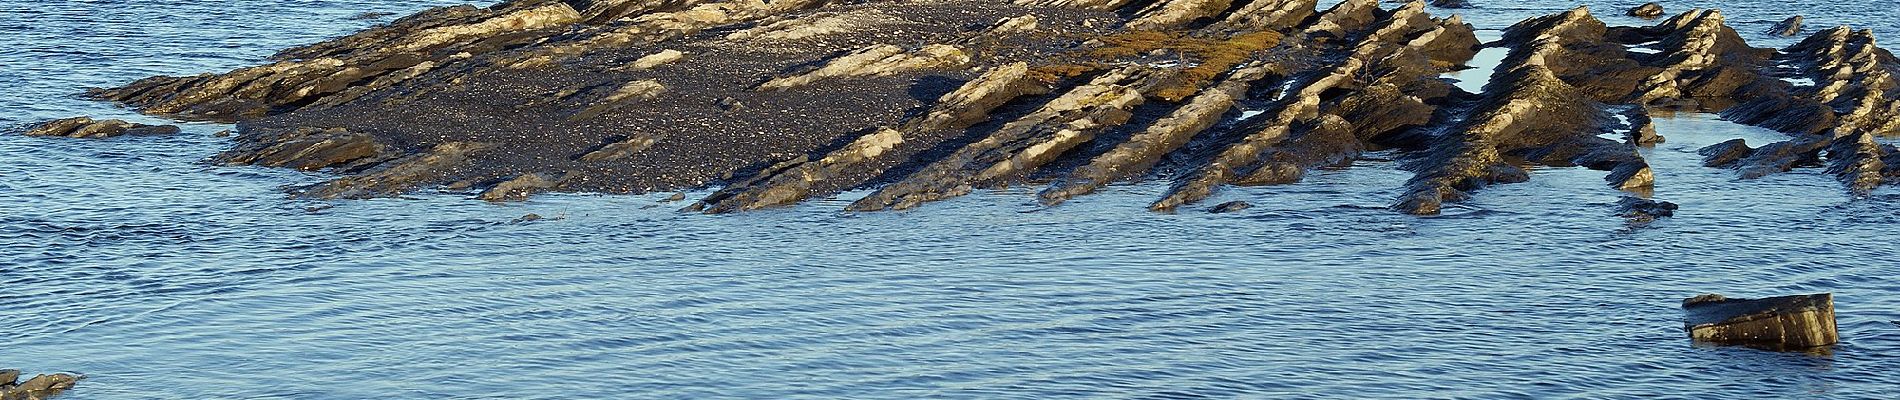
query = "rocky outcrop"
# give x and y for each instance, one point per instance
(38, 387)
(1858, 161)
(796, 180)
(1309, 129)
(1530, 114)
(776, 102)
(1024, 144)
(1792, 323)
(1834, 123)
(87, 128)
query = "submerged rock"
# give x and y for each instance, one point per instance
(1647, 10)
(1779, 323)
(1451, 3)
(87, 128)
(1231, 206)
(1642, 210)
(38, 387)
(1787, 27)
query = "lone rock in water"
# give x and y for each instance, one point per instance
(1779, 323)
(40, 387)
(1647, 10)
(1788, 27)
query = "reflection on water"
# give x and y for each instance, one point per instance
(161, 277)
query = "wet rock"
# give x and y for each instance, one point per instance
(519, 188)
(87, 128)
(38, 387)
(308, 149)
(1777, 323)
(1451, 3)
(400, 175)
(1787, 27)
(1642, 131)
(1858, 161)
(1647, 10)
(527, 218)
(1230, 207)
(1725, 153)
(1643, 210)
(1775, 157)
(369, 15)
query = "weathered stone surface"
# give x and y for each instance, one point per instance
(878, 60)
(87, 128)
(39, 387)
(663, 57)
(1167, 14)
(1781, 323)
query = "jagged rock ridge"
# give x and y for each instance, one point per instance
(782, 101)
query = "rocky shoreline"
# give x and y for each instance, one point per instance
(779, 102)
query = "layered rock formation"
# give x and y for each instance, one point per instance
(778, 102)
(87, 128)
